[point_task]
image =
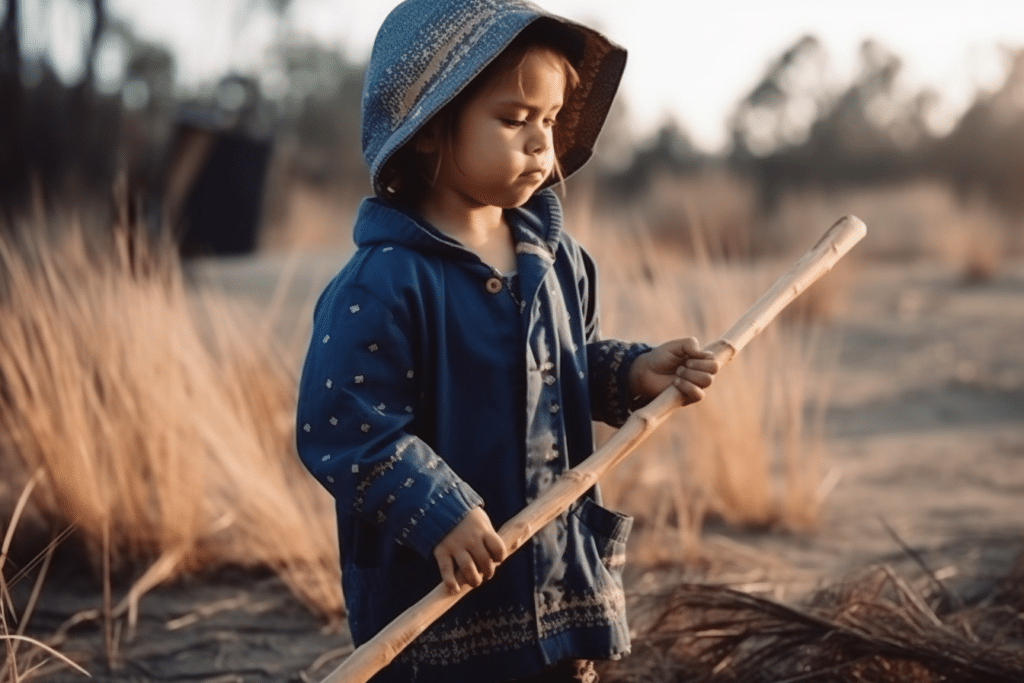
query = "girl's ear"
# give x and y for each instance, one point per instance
(427, 141)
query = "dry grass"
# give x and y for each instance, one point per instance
(161, 418)
(35, 659)
(751, 452)
(873, 627)
(923, 220)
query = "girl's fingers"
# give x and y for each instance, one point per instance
(701, 379)
(495, 547)
(707, 366)
(470, 573)
(483, 563)
(690, 391)
(447, 569)
(692, 347)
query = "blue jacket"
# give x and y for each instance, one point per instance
(432, 385)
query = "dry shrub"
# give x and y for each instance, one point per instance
(923, 220)
(750, 453)
(161, 418)
(872, 627)
(712, 213)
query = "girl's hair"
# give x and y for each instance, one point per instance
(405, 175)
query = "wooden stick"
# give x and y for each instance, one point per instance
(379, 651)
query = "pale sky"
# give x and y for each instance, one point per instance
(693, 60)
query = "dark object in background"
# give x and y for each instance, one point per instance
(222, 208)
(217, 166)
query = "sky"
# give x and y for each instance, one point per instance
(691, 60)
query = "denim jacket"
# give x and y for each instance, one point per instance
(434, 385)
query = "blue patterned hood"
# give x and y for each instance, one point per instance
(427, 51)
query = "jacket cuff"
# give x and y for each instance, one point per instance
(610, 363)
(439, 516)
(627, 403)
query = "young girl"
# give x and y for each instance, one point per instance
(455, 364)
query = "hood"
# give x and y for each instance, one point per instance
(427, 51)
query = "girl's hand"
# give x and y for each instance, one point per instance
(473, 548)
(681, 363)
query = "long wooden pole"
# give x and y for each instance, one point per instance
(379, 651)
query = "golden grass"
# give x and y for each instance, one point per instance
(922, 220)
(161, 418)
(751, 453)
(37, 658)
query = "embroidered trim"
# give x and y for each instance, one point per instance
(454, 640)
(375, 473)
(581, 611)
(421, 513)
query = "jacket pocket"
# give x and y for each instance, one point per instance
(610, 531)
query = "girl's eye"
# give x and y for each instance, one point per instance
(513, 123)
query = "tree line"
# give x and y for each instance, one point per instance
(71, 142)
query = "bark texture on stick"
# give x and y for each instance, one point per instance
(379, 651)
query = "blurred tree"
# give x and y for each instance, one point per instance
(983, 152)
(320, 112)
(669, 151)
(12, 152)
(781, 108)
(50, 129)
(793, 129)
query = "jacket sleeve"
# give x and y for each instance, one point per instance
(358, 396)
(608, 361)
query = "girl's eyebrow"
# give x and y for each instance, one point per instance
(514, 103)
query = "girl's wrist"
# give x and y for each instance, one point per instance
(636, 372)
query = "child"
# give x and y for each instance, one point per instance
(455, 363)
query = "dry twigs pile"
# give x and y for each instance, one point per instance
(872, 627)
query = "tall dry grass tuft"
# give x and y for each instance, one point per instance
(161, 417)
(751, 452)
(36, 659)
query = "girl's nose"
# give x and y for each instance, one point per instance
(539, 141)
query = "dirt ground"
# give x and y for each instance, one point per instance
(925, 446)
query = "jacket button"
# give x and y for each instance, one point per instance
(493, 285)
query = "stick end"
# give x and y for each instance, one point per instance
(843, 234)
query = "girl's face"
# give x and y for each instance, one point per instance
(503, 146)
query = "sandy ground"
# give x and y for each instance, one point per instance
(925, 435)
